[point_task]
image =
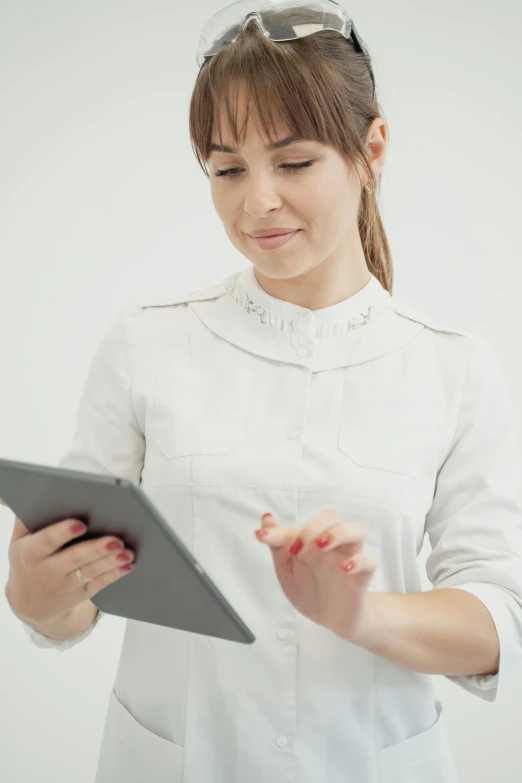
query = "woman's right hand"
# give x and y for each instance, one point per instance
(42, 585)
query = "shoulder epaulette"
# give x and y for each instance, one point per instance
(212, 292)
(415, 315)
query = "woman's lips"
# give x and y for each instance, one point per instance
(270, 243)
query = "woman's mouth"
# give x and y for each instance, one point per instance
(271, 243)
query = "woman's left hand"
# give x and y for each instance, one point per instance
(313, 579)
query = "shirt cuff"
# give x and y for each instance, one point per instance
(507, 616)
(43, 641)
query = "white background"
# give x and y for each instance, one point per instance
(102, 203)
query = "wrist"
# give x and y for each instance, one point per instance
(68, 624)
(369, 623)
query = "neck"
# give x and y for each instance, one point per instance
(318, 287)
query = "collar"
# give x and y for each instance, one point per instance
(222, 312)
(332, 321)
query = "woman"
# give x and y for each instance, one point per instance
(301, 387)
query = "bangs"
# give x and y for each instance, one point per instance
(270, 98)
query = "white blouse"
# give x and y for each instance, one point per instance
(226, 403)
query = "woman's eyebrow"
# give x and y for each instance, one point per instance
(276, 145)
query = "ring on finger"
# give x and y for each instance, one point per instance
(81, 576)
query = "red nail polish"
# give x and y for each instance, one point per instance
(348, 566)
(322, 542)
(265, 516)
(296, 547)
(113, 545)
(261, 533)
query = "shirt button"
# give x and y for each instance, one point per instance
(282, 633)
(282, 742)
(302, 351)
(292, 433)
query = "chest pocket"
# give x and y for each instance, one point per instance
(390, 428)
(201, 411)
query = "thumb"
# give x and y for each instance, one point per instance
(269, 521)
(273, 533)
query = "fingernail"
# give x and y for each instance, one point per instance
(348, 566)
(114, 545)
(322, 542)
(296, 547)
(78, 527)
(266, 516)
(261, 533)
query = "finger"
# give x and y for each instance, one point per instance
(273, 533)
(364, 566)
(101, 565)
(328, 522)
(87, 553)
(346, 533)
(50, 539)
(319, 525)
(351, 535)
(98, 578)
(2, 502)
(268, 521)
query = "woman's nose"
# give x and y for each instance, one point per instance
(260, 196)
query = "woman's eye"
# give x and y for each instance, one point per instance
(292, 166)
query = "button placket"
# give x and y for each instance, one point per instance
(303, 327)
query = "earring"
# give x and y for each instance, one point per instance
(369, 189)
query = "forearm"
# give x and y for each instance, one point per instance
(69, 625)
(443, 631)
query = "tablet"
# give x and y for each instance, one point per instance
(167, 585)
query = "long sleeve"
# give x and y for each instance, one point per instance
(46, 642)
(475, 522)
(108, 439)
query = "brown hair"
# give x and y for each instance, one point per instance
(319, 86)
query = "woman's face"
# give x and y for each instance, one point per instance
(303, 186)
